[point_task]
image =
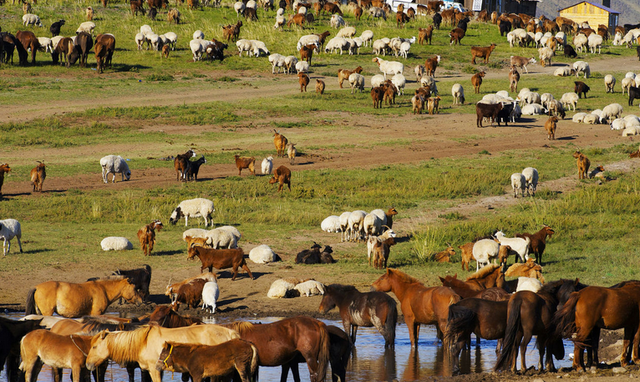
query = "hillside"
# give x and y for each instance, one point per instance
(629, 9)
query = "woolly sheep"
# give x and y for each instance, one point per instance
(381, 214)
(518, 183)
(503, 94)
(457, 91)
(609, 111)
(10, 228)
(45, 44)
(218, 238)
(484, 250)
(331, 224)
(518, 244)
(308, 40)
(262, 254)
(367, 37)
(154, 40)
(356, 224)
(618, 124)
(377, 80)
(609, 83)
(87, 26)
(356, 44)
(336, 21)
(198, 35)
(531, 177)
(302, 10)
(626, 83)
(533, 109)
(113, 164)
(54, 42)
(277, 60)
(632, 120)
(591, 119)
(564, 72)
(344, 226)
(528, 284)
(310, 288)
(578, 117)
(251, 4)
(356, 81)
(389, 67)
(282, 288)
(290, 63)
(302, 66)
(267, 165)
(490, 99)
(580, 41)
(173, 39)
(631, 75)
(545, 98)
(346, 32)
(372, 225)
(400, 81)
(545, 54)
(232, 230)
(595, 42)
(280, 19)
(198, 47)
(31, 19)
(140, 40)
(210, 295)
(198, 207)
(617, 39)
(258, 47)
(569, 99)
(380, 47)
(631, 130)
(337, 43)
(582, 67)
(194, 232)
(243, 45)
(115, 243)
(562, 38)
(239, 7)
(530, 98)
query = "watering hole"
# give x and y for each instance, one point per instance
(370, 361)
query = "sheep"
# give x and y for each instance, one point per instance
(485, 250)
(45, 44)
(367, 37)
(280, 19)
(580, 41)
(578, 117)
(262, 254)
(290, 63)
(38, 175)
(377, 80)
(595, 42)
(610, 111)
(258, 47)
(609, 83)
(311, 287)
(331, 224)
(140, 40)
(356, 82)
(458, 94)
(545, 98)
(10, 228)
(533, 109)
(518, 182)
(517, 244)
(87, 26)
(344, 226)
(399, 81)
(531, 177)
(31, 19)
(336, 21)
(404, 49)
(389, 67)
(114, 164)
(346, 32)
(626, 83)
(356, 225)
(564, 72)
(309, 39)
(282, 288)
(631, 130)
(267, 165)
(220, 238)
(380, 47)
(337, 43)
(591, 119)
(618, 124)
(210, 295)
(194, 233)
(582, 67)
(569, 100)
(232, 230)
(545, 54)
(276, 60)
(172, 289)
(239, 7)
(115, 243)
(198, 47)
(291, 153)
(302, 67)
(372, 225)
(198, 207)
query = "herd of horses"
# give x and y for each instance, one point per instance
(165, 340)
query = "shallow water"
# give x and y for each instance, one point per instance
(370, 361)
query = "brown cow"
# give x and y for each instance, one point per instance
(245, 162)
(281, 175)
(220, 258)
(482, 52)
(104, 48)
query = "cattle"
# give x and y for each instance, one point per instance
(581, 88)
(484, 110)
(105, 46)
(81, 49)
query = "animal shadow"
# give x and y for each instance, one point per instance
(159, 299)
(166, 253)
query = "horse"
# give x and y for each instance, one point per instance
(202, 361)
(419, 304)
(43, 347)
(594, 308)
(532, 314)
(11, 332)
(489, 276)
(166, 317)
(77, 300)
(144, 345)
(362, 309)
(279, 342)
(339, 354)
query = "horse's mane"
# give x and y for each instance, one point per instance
(94, 325)
(107, 278)
(241, 326)
(404, 277)
(125, 346)
(483, 272)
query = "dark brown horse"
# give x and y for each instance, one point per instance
(166, 317)
(280, 342)
(11, 332)
(362, 309)
(489, 276)
(531, 314)
(594, 308)
(419, 304)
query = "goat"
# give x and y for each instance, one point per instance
(430, 65)
(445, 256)
(484, 110)
(550, 126)
(538, 241)
(172, 289)
(310, 256)
(38, 174)
(425, 34)
(514, 78)
(181, 164)
(481, 52)
(522, 62)
(281, 175)
(4, 168)
(292, 152)
(581, 88)
(377, 244)
(303, 79)
(583, 164)
(456, 36)
(377, 95)
(147, 236)
(476, 81)
(306, 53)
(220, 259)
(280, 141)
(245, 162)
(194, 167)
(343, 74)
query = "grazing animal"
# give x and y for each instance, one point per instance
(320, 86)
(4, 168)
(482, 52)
(466, 254)
(10, 228)
(181, 164)
(291, 153)
(281, 175)
(550, 126)
(425, 35)
(456, 36)
(522, 62)
(484, 110)
(55, 27)
(220, 259)
(581, 88)
(104, 48)
(280, 141)
(113, 164)
(147, 236)
(514, 78)
(583, 164)
(81, 48)
(245, 162)
(38, 174)
(198, 207)
(476, 81)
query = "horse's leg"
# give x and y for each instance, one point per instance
(100, 371)
(636, 342)
(595, 342)
(347, 329)
(156, 375)
(131, 371)
(56, 374)
(440, 336)
(626, 343)
(413, 328)
(526, 338)
(514, 354)
(354, 330)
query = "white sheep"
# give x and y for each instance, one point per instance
(518, 183)
(380, 47)
(545, 98)
(262, 254)
(277, 60)
(267, 165)
(114, 164)
(302, 10)
(194, 232)
(618, 124)
(218, 238)
(243, 45)
(146, 30)
(372, 225)
(389, 67)
(346, 32)
(155, 41)
(280, 19)
(367, 37)
(198, 35)
(400, 81)
(569, 99)
(198, 207)
(564, 72)
(344, 226)
(377, 80)
(595, 42)
(609, 111)
(545, 55)
(626, 84)
(31, 19)
(45, 44)
(210, 295)
(115, 243)
(251, 4)
(331, 224)
(631, 75)
(258, 47)
(609, 83)
(430, 82)
(517, 244)
(310, 287)
(533, 109)
(239, 7)
(356, 225)
(232, 230)
(381, 214)
(290, 63)
(140, 40)
(173, 39)
(485, 250)
(504, 94)
(578, 117)
(54, 42)
(631, 130)
(336, 21)
(282, 288)
(582, 67)
(562, 39)
(10, 228)
(356, 82)
(302, 67)
(198, 47)
(356, 44)
(632, 120)
(87, 26)
(310, 39)
(529, 284)
(337, 43)
(591, 119)
(580, 41)
(617, 39)
(531, 177)
(457, 91)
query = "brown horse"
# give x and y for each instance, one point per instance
(279, 342)
(11, 332)
(77, 300)
(419, 304)
(43, 347)
(532, 314)
(362, 309)
(202, 361)
(489, 276)
(594, 308)
(166, 317)
(144, 345)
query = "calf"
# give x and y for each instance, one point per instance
(550, 126)
(484, 110)
(281, 175)
(303, 79)
(476, 81)
(220, 259)
(425, 34)
(38, 174)
(245, 162)
(482, 52)
(456, 36)
(581, 88)
(634, 93)
(104, 48)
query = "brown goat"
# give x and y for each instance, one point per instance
(306, 53)
(538, 241)
(332, 8)
(165, 51)
(456, 36)
(245, 162)
(380, 252)
(38, 174)
(172, 289)
(417, 103)
(583, 164)
(280, 141)
(433, 105)
(377, 95)
(445, 256)
(173, 16)
(466, 254)
(232, 31)
(430, 65)
(303, 79)
(434, 6)
(320, 86)
(189, 294)
(89, 13)
(220, 259)
(323, 36)
(147, 236)
(481, 52)
(4, 168)
(357, 13)
(298, 19)
(425, 34)
(181, 164)
(343, 74)
(401, 18)
(550, 126)
(281, 175)
(514, 78)
(476, 81)
(390, 92)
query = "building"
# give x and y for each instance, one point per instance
(594, 14)
(503, 6)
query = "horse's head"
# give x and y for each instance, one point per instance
(99, 351)
(165, 361)
(131, 294)
(328, 301)
(383, 284)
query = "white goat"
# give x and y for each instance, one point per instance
(210, 295)
(484, 250)
(10, 228)
(267, 165)
(518, 244)
(531, 177)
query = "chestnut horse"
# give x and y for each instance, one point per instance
(419, 304)
(77, 300)
(145, 344)
(594, 308)
(280, 342)
(362, 309)
(532, 314)
(202, 361)
(489, 276)
(11, 332)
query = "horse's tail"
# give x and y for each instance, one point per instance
(564, 319)
(459, 321)
(509, 345)
(31, 303)
(254, 364)
(323, 355)
(390, 326)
